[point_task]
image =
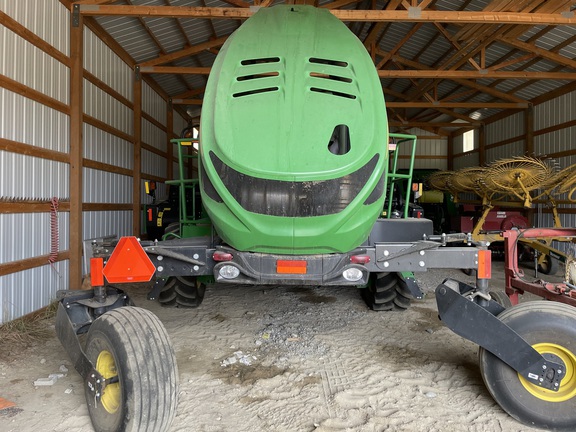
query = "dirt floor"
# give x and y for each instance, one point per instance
(286, 359)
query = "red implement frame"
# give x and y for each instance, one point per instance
(515, 284)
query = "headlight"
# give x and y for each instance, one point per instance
(229, 272)
(352, 274)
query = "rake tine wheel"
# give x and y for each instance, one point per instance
(518, 177)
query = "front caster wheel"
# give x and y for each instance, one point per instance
(551, 330)
(130, 348)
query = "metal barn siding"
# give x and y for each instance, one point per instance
(106, 187)
(30, 122)
(153, 135)
(47, 19)
(29, 178)
(30, 66)
(555, 142)
(104, 147)
(29, 290)
(466, 160)
(179, 124)
(97, 224)
(105, 65)
(28, 235)
(23, 177)
(153, 165)
(552, 113)
(104, 107)
(153, 104)
(505, 151)
(507, 128)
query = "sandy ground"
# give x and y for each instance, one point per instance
(286, 359)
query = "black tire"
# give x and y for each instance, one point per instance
(385, 293)
(548, 266)
(501, 298)
(167, 297)
(132, 344)
(182, 291)
(551, 329)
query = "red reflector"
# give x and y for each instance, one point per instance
(359, 259)
(291, 266)
(418, 215)
(222, 256)
(484, 264)
(150, 215)
(96, 275)
(129, 263)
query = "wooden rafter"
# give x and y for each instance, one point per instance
(470, 34)
(463, 17)
(185, 52)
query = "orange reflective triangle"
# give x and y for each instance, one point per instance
(128, 263)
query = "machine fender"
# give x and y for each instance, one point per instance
(77, 310)
(408, 281)
(467, 318)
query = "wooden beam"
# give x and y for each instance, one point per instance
(30, 263)
(408, 123)
(136, 176)
(101, 166)
(152, 120)
(476, 74)
(402, 73)
(11, 207)
(93, 2)
(31, 37)
(35, 95)
(187, 101)
(471, 105)
(107, 207)
(464, 17)
(154, 150)
(532, 48)
(76, 150)
(471, 84)
(184, 52)
(175, 70)
(31, 150)
(107, 89)
(106, 128)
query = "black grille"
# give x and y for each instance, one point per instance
(293, 199)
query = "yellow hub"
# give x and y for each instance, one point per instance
(567, 384)
(111, 396)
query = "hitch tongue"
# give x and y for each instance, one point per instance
(475, 318)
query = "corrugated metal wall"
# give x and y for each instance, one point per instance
(22, 120)
(113, 148)
(24, 178)
(554, 135)
(552, 114)
(431, 153)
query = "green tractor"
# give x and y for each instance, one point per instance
(297, 178)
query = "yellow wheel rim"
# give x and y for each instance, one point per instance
(567, 384)
(111, 396)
